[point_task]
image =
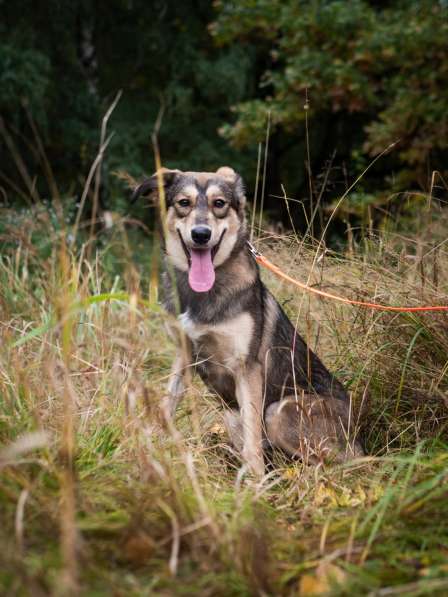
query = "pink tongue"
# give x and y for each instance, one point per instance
(202, 274)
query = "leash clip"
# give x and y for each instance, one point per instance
(255, 254)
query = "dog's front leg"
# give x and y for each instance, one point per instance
(176, 385)
(249, 393)
(179, 371)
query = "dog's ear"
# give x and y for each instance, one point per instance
(227, 173)
(236, 181)
(150, 186)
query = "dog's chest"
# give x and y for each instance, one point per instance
(226, 343)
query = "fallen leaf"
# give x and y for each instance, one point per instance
(218, 429)
(138, 548)
(325, 495)
(325, 577)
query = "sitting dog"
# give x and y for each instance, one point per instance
(238, 337)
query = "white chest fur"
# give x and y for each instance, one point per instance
(229, 341)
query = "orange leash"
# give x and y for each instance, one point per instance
(261, 259)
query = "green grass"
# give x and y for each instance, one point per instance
(105, 502)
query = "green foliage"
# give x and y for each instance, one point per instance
(380, 74)
(24, 75)
(70, 59)
(367, 75)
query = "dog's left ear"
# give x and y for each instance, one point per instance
(235, 179)
(150, 186)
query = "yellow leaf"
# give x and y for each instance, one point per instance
(343, 497)
(290, 473)
(325, 495)
(376, 492)
(218, 429)
(310, 585)
(326, 576)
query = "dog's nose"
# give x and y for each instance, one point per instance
(201, 234)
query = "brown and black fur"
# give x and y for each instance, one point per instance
(240, 340)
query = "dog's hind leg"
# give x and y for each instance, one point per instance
(313, 428)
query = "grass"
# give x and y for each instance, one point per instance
(97, 500)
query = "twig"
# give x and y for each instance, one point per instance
(93, 167)
(98, 170)
(266, 150)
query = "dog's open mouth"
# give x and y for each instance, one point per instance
(201, 271)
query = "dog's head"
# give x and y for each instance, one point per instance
(205, 219)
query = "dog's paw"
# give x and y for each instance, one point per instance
(257, 469)
(254, 464)
(249, 477)
(167, 408)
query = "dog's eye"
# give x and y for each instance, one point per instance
(184, 202)
(219, 203)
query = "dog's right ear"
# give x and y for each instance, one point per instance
(150, 186)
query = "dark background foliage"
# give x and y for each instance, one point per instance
(365, 74)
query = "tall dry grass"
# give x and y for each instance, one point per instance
(97, 495)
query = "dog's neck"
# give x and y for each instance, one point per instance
(235, 276)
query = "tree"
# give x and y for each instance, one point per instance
(69, 59)
(374, 73)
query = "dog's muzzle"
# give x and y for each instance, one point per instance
(201, 271)
(187, 252)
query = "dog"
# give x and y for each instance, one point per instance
(237, 337)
